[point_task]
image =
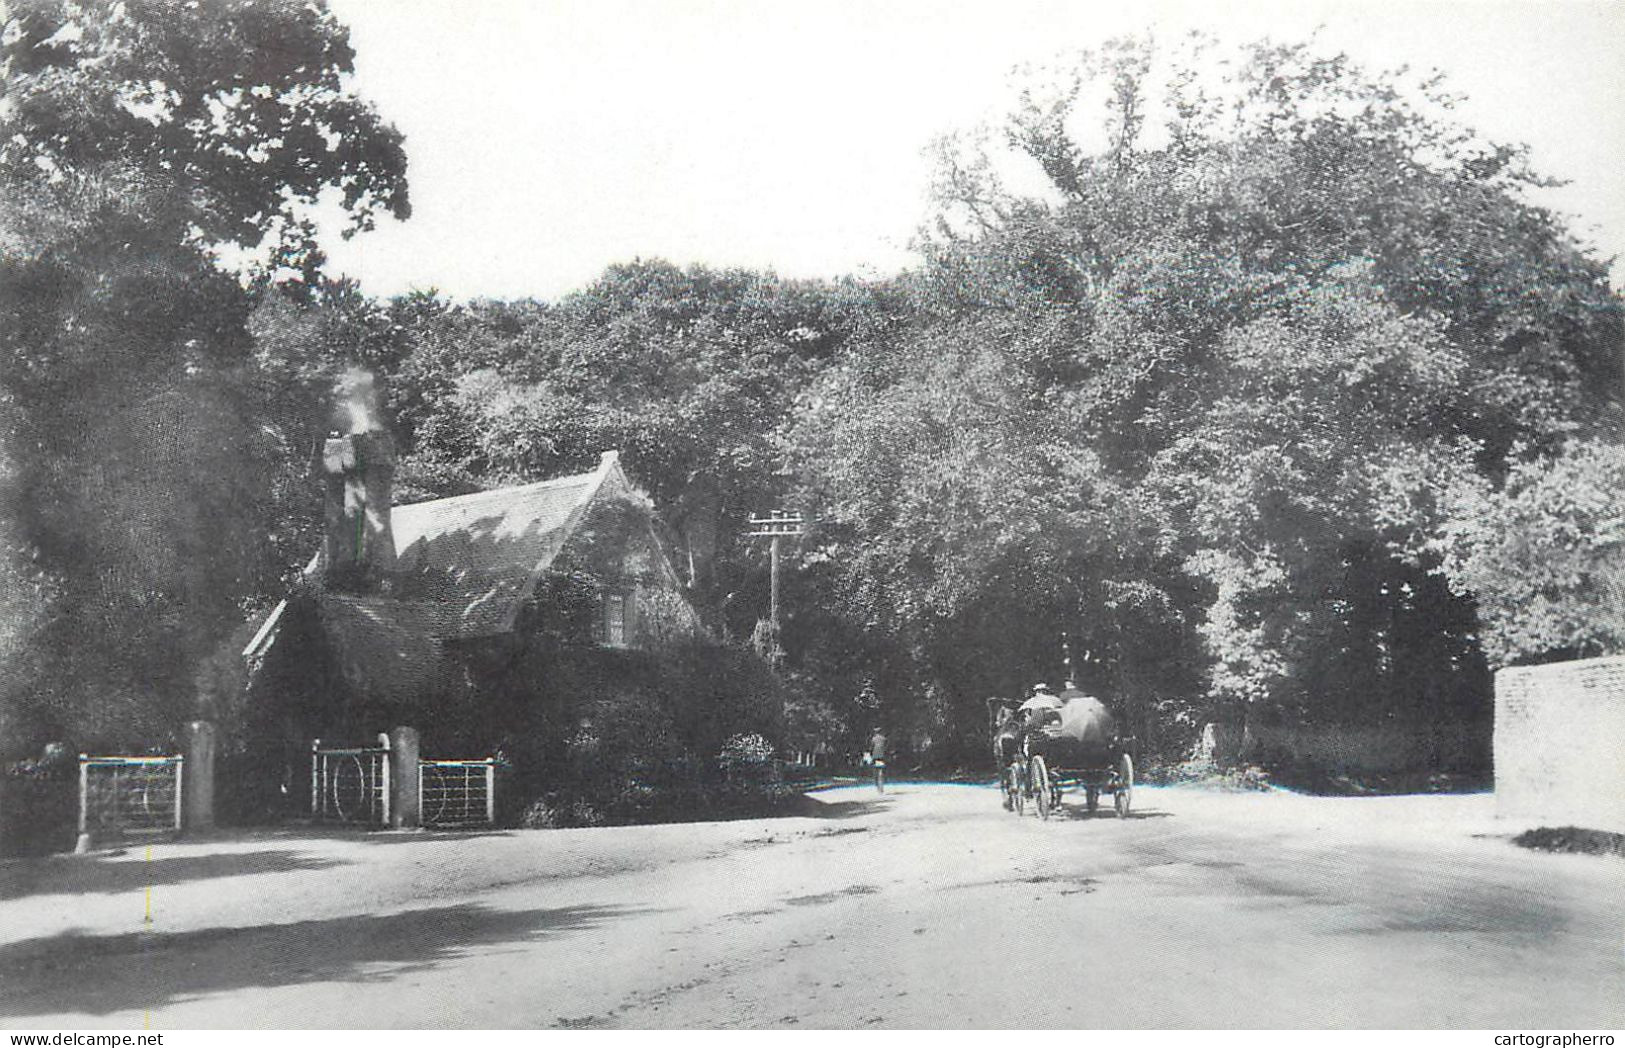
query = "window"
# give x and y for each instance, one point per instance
(615, 620)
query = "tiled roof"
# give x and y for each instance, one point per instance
(464, 566)
(475, 555)
(385, 647)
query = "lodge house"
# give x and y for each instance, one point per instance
(487, 621)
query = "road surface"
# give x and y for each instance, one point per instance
(926, 908)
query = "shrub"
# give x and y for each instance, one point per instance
(540, 814)
(747, 757)
(1205, 773)
(553, 812)
(39, 804)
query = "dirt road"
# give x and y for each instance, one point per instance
(929, 907)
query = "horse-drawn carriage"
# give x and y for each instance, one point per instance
(1051, 743)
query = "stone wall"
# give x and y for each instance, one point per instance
(1560, 743)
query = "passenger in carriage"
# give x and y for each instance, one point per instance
(1041, 713)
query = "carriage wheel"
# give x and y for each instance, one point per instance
(1125, 787)
(1091, 797)
(1041, 787)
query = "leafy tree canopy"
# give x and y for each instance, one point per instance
(143, 146)
(1233, 349)
(241, 108)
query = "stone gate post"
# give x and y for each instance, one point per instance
(404, 813)
(197, 778)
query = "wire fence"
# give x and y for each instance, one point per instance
(129, 794)
(457, 793)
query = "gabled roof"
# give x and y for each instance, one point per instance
(477, 557)
(464, 565)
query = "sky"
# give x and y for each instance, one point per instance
(548, 139)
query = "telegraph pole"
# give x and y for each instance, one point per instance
(774, 527)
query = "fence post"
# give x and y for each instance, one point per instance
(197, 805)
(491, 790)
(405, 813)
(385, 792)
(315, 785)
(82, 845)
(180, 790)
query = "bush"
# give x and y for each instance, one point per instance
(596, 736)
(1207, 774)
(677, 792)
(556, 813)
(39, 804)
(748, 757)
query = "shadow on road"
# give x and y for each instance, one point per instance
(428, 836)
(817, 809)
(304, 831)
(1081, 814)
(85, 875)
(104, 974)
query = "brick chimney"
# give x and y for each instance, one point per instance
(359, 468)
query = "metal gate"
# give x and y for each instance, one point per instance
(350, 785)
(457, 793)
(129, 794)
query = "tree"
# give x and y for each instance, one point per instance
(238, 109)
(967, 530)
(1543, 556)
(141, 144)
(1283, 312)
(687, 372)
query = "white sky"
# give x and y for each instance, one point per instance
(550, 138)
